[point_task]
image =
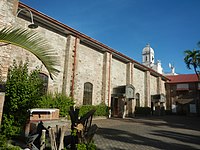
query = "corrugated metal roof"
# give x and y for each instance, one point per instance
(183, 78)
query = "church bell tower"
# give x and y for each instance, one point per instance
(148, 56)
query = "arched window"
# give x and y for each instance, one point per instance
(87, 95)
(137, 97)
(45, 80)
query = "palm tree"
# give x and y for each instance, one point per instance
(192, 58)
(33, 43)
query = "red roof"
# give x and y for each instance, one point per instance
(183, 78)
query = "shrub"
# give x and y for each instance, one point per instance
(22, 93)
(101, 109)
(85, 108)
(9, 126)
(81, 146)
(142, 111)
(5, 145)
(47, 101)
(88, 146)
(60, 101)
(3, 141)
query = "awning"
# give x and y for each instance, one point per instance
(184, 101)
(158, 98)
(126, 91)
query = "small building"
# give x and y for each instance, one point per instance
(183, 92)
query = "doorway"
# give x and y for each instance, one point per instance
(114, 107)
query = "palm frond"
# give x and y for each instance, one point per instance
(33, 43)
(198, 44)
(192, 58)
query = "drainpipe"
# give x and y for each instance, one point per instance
(73, 67)
(109, 74)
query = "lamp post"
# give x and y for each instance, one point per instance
(32, 25)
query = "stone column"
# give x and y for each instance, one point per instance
(159, 82)
(2, 98)
(147, 89)
(129, 73)
(106, 78)
(129, 80)
(66, 65)
(74, 77)
(70, 64)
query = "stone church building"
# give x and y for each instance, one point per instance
(90, 71)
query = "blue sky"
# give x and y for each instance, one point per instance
(170, 26)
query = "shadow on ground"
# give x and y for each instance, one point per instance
(134, 139)
(184, 122)
(176, 140)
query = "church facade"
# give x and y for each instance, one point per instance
(91, 72)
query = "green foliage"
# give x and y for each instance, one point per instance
(81, 146)
(9, 126)
(60, 101)
(89, 146)
(32, 42)
(74, 132)
(192, 60)
(101, 110)
(4, 145)
(47, 101)
(142, 111)
(23, 90)
(3, 141)
(12, 147)
(85, 108)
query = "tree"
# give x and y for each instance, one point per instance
(192, 59)
(33, 43)
(23, 92)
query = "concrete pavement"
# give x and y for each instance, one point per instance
(148, 133)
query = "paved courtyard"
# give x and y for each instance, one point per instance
(148, 133)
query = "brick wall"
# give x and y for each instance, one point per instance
(44, 114)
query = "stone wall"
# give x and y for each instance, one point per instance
(55, 42)
(118, 73)
(153, 85)
(8, 9)
(79, 63)
(162, 87)
(139, 84)
(89, 68)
